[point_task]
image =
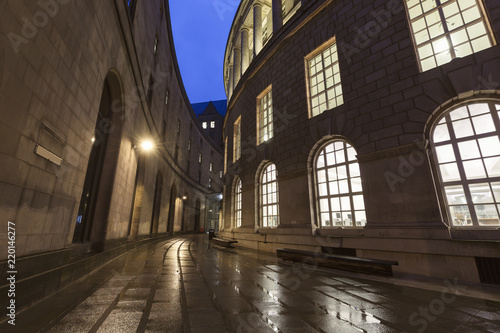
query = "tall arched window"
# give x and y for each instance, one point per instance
(237, 204)
(466, 145)
(338, 186)
(269, 197)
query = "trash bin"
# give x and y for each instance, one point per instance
(211, 234)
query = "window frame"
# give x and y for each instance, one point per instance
(350, 193)
(446, 31)
(269, 126)
(261, 196)
(237, 140)
(441, 184)
(320, 50)
(238, 202)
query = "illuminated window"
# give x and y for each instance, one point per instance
(447, 29)
(204, 125)
(200, 158)
(166, 97)
(466, 143)
(237, 204)
(212, 124)
(269, 197)
(211, 167)
(265, 116)
(338, 186)
(237, 140)
(325, 87)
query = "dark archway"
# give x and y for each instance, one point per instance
(155, 218)
(95, 202)
(171, 210)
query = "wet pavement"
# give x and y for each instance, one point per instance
(185, 285)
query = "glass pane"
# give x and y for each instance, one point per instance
(469, 150)
(354, 170)
(455, 195)
(460, 215)
(459, 113)
(347, 218)
(360, 218)
(477, 109)
(345, 203)
(321, 161)
(356, 184)
(481, 193)
(323, 205)
(342, 172)
(332, 174)
(474, 169)
(351, 154)
(340, 156)
(323, 190)
(334, 188)
(343, 186)
(445, 154)
(337, 218)
(441, 133)
(490, 146)
(487, 215)
(463, 128)
(359, 202)
(483, 124)
(492, 166)
(449, 172)
(325, 219)
(496, 191)
(335, 203)
(322, 176)
(330, 159)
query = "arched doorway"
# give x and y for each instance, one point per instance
(171, 210)
(155, 219)
(95, 201)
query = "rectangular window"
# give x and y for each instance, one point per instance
(166, 97)
(325, 86)
(237, 140)
(199, 158)
(220, 174)
(204, 125)
(265, 116)
(189, 145)
(212, 124)
(447, 29)
(209, 182)
(211, 167)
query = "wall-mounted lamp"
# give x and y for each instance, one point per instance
(146, 145)
(184, 197)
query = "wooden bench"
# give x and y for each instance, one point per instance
(223, 242)
(346, 263)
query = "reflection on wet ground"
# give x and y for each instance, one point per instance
(185, 285)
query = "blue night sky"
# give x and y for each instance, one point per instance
(200, 29)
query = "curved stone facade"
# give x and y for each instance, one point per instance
(352, 80)
(82, 85)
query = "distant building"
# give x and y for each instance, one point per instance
(211, 117)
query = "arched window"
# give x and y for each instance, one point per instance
(269, 197)
(237, 204)
(466, 145)
(338, 186)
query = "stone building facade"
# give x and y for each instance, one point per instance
(367, 127)
(100, 147)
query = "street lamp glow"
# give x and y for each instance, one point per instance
(147, 145)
